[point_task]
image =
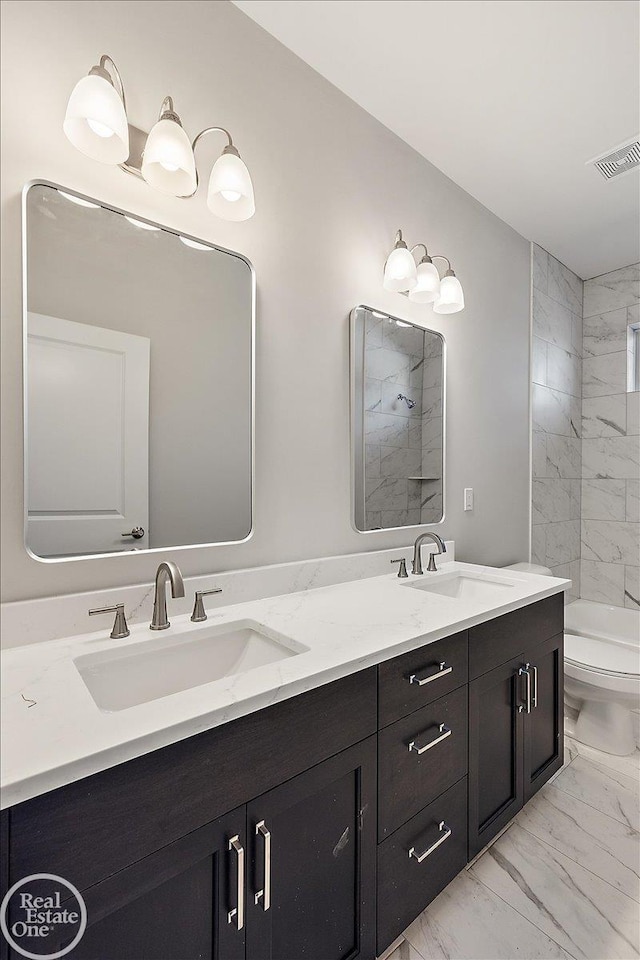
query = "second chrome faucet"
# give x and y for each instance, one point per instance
(416, 567)
(167, 571)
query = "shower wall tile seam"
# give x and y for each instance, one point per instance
(556, 416)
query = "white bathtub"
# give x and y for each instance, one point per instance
(584, 618)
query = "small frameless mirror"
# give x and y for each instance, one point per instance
(397, 418)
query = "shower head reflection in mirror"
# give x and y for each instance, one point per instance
(134, 338)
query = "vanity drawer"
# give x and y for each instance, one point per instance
(399, 695)
(499, 640)
(405, 884)
(407, 779)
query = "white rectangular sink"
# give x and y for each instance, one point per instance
(140, 672)
(465, 586)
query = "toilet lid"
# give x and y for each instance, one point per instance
(605, 656)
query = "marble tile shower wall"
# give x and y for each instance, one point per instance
(610, 564)
(556, 416)
(393, 431)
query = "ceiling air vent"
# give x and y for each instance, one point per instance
(618, 161)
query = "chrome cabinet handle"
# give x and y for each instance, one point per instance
(534, 699)
(446, 833)
(442, 671)
(120, 629)
(199, 614)
(237, 913)
(265, 893)
(137, 533)
(524, 672)
(444, 731)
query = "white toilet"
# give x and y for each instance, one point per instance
(602, 681)
(602, 675)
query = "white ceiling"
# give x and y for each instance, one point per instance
(509, 98)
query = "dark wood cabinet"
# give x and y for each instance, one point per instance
(312, 889)
(353, 805)
(419, 757)
(515, 736)
(543, 724)
(496, 773)
(172, 905)
(419, 860)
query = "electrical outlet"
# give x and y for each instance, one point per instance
(468, 498)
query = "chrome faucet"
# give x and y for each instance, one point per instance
(168, 570)
(417, 553)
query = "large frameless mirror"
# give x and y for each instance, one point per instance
(397, 422)
(139, 372)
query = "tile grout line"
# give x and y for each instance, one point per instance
(634, 777)
(577, 862)
(515, 910)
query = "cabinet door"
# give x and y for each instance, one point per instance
(543, 719)
(311, 892)
(175, 904)
(495, 752)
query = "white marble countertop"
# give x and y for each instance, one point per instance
(53, 733)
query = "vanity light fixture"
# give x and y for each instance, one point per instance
(168, 163)
(400, 272)
(96, 124)
(422, 282)
(96, 117)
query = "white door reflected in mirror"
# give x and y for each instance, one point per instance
(88, 415)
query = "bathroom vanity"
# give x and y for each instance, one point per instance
(321, 825)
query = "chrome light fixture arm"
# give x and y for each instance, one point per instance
(111, 74)
(107, 69)
(228, 149)
(438, 256)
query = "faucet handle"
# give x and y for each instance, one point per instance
(431, 566)
(120, 629)
(199, 613)
(402, 569)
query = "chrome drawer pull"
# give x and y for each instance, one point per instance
(534, 699)
(265, 893)
(444, 731)
(442, 671)
(238, 912)
(434, 846)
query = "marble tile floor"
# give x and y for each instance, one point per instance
(561, 881)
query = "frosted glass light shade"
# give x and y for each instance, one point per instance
(168, 163)
(230, 193)
(96, 121)
(451, 299)
(427, 288)
(400, 270)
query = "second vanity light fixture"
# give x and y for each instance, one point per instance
(422, 282)
(96, 124)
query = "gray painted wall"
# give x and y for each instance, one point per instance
(332, 187)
